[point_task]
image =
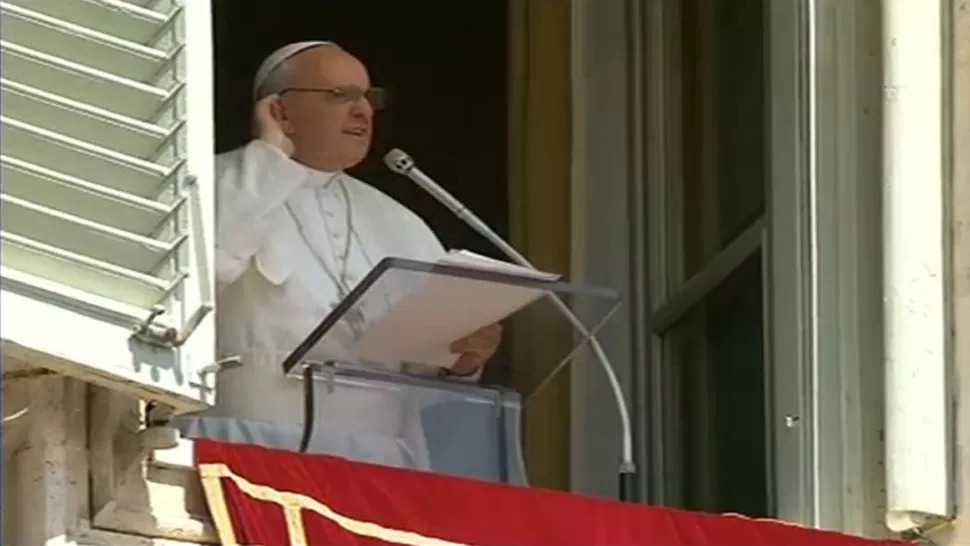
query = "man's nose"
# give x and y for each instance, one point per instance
(362, 107)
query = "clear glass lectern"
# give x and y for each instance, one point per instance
(388, 340)
(369, 371)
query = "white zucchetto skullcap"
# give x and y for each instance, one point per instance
(277, 58)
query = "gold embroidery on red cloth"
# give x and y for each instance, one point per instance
(294, 525)
(292, 505)
(218, 509)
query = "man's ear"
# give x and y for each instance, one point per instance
(279, 113)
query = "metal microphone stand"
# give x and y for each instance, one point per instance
(401, 163)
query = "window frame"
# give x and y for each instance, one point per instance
(672, 296)
(816, 236)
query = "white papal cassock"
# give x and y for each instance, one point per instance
(286, 235)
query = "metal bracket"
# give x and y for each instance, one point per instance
(228, 363)
(194, 321)
(153, 334)
(167, 336)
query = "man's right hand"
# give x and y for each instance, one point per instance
(267, 128)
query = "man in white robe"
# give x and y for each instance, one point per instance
(295, 233)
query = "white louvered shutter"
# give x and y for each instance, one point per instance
(107, 212)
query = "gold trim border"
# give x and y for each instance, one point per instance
(218, 509)
(292, 504)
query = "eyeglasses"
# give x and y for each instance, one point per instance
(376, 96)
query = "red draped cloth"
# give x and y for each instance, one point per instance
(264, 497)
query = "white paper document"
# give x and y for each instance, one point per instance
(421, 325)
(465, 258)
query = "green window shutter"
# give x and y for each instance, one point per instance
(107, 195)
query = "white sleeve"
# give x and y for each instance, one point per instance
(427, 247)
(250, 184)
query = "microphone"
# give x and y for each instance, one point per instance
(400, 162)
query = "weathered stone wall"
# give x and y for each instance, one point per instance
(75, 471)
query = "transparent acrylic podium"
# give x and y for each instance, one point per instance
(371, 369)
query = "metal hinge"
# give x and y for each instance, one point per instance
(169, 336)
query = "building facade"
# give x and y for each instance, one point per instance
(780, 190)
